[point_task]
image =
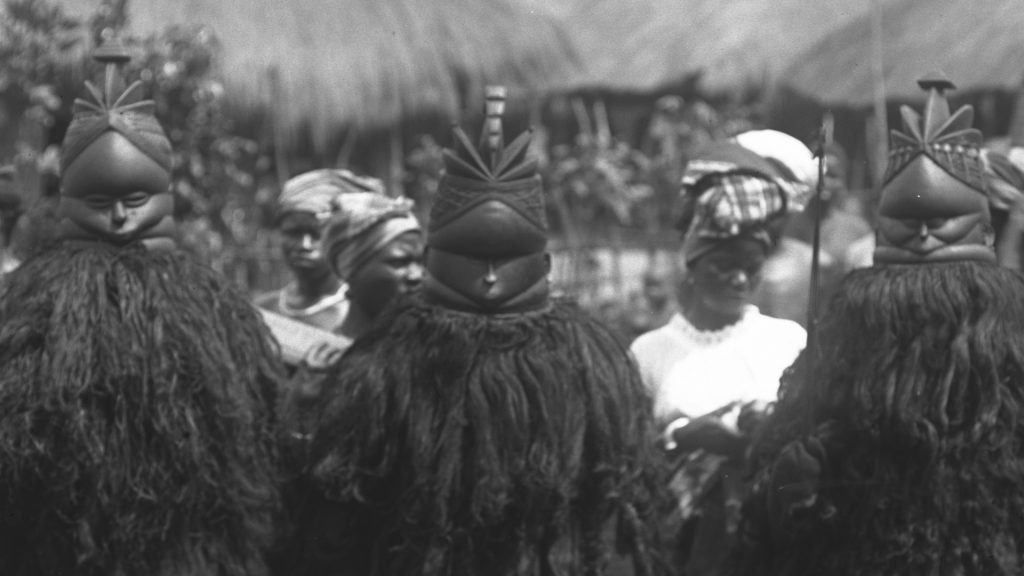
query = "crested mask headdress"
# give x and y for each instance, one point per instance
(115, 108)
(115, 164)
(933, 205)
(487, 235)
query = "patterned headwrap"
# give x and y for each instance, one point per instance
(1004, 180)
(315, 191)
(730, 191)
(791, 157)
(361, 224)
(112, 109)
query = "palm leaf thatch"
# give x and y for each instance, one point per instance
(366, 63)
(644, 44)
(976, 44)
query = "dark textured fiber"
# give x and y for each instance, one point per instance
(461, 444)
(908, 431)
(136, 438)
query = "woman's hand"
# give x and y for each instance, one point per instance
(706, 433)
(322, 356)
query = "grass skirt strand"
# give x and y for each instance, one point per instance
(915, 412)
(136, 391)
(460, 444)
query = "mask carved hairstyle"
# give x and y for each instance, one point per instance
(487, 241)
(933, 204)
(115, 165)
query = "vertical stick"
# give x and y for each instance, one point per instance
(396, 160)
(824, 140)
(277, 122)
(879, 147)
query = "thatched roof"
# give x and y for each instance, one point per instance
(366, 62)
(643, 44)
(977, 44)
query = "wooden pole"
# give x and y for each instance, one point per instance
(277, 122)
(879, 148)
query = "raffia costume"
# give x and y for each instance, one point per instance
(136, 386)
(896, 446)
(480, 427)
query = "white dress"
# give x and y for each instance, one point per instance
(698, 372)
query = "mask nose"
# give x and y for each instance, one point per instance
(118, 215)
(307, 242)
(490, 279)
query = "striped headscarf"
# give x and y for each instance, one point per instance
(315, 192)
(360, 225)
(730, 191)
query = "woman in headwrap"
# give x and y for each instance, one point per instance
(315, 296)
(717, 363)
(375, 245)
(136, 386)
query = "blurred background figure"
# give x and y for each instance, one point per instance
(652, 307)
(1004, 180)
(717, 362)
(841, 223)
(785, 291)
(10, 212)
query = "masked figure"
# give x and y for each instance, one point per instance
(480, 427)
(896, 446)
(136, 386)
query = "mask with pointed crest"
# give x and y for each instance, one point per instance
(115, 165)
(933, 206)
(487, 238)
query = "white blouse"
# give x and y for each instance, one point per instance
(697, 372)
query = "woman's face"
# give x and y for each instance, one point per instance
(301, 243)
(396, 269)
(724, 279)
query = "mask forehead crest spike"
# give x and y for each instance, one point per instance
(937, 108)
(489, 210)
(112, 53)
(492, 139)
(116, 108)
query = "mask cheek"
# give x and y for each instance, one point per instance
(76, 214)
(152, 219)
(511, 277)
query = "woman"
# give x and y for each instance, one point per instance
(375, 245)
(717, 362)
(315, 296)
